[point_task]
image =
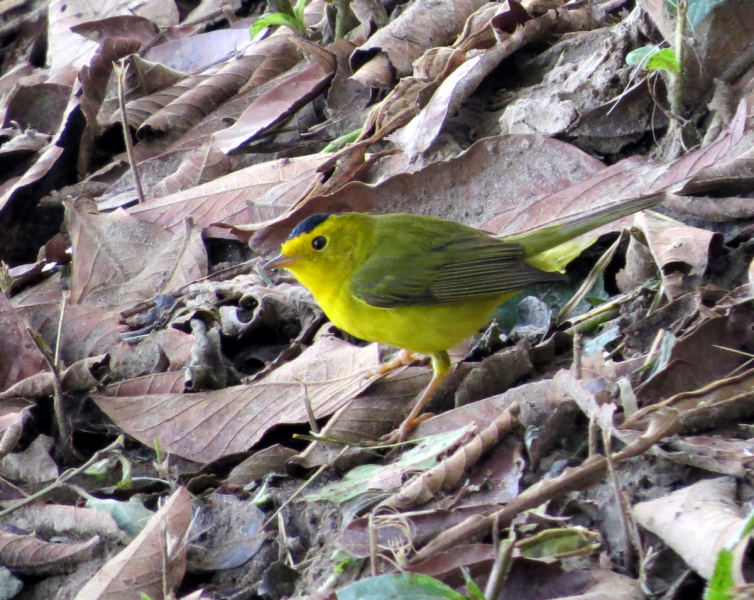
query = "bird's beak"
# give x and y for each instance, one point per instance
(280, 261)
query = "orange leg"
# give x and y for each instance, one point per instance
(440, 369)
(404, 357)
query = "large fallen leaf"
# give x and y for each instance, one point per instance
(496, 175)
(153, 562)
(207, 425)
(259, 192)
(119, 261)
(696, 521)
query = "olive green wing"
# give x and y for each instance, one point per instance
(474, 266)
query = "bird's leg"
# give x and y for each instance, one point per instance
(404, 357)
(440, 369)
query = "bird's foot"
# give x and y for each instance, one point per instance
(404, 357)
(400, 434)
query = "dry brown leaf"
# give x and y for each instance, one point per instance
(121, 26)
(67, 48)
(199, 166)
(33, 466)
(39, 106)
(79, 376)
(87, 330)
(195, 53)
(51, 520)
(140, 109)
(298, 88)
(207, 425)
(29, 555)
(260, 464)
(697, 521)
(681, 252)
(450, 472)
(264, 190)
(19, 356)
(196, 103)
(724, 339)
(153, 561)
(497, 175)
(120, 261)
(171, 382)
(426, 24)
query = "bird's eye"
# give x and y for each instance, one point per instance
(319, 242)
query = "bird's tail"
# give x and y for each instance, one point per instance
(539, 241)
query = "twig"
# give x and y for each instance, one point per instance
(501, 567)
(120, 71)
(60, 420)
(60, 481)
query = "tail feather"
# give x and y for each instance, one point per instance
(565, 229)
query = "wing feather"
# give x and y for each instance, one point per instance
(472, 264)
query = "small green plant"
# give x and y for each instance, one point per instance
(283, 14)
(653, 58)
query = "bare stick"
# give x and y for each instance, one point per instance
(120, 71)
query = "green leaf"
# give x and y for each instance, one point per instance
(471, 587)
(641, 55)
(298, 10)
(653, 58)
(406, 586)
(664, 59)
(272, 19)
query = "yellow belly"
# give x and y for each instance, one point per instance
(426, 329)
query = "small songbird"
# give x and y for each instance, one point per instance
(424, 284)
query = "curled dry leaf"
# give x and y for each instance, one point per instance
(696, 521)
(28, 555)
(82, 375)
(426, 24)
(681, 252)
(121, 26)
(299, 87)
(208, 425)
(196, 103)
(449, 473)
(153, 561)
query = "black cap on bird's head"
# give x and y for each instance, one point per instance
(308, 224)
(290, 253)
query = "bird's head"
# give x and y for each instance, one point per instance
(319, 245)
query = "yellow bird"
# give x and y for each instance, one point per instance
(424, 284)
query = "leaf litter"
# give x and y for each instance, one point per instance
(606, 453)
